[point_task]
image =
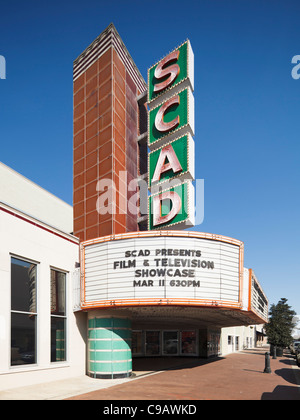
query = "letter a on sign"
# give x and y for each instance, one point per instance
(166, 153)
(174, 160)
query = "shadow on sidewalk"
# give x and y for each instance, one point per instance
(145, 365)
(285, 392)
(287, 374)
(282, 392)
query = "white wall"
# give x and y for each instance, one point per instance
(242, 332)
(25, 240)
(28, 197)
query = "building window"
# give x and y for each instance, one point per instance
(58, 316)
(23, 312)
(188, 342)
(170, 342)
(152, 342)
(137, 342)
(236, 343)
(231, 343)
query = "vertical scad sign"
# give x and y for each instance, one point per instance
(170, 140)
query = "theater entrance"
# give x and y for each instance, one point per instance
(151, 343)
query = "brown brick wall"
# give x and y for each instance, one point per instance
(105, 143)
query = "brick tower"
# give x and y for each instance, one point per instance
(109, 121)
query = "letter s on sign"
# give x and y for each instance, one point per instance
(295, 74)
(161, 72)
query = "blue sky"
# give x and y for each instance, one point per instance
(246, 108)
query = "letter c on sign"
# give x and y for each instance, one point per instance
(159, 122)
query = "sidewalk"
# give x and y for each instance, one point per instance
(238, 376)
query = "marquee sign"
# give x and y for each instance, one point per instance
(205, 269)
(258, 302)
(170, 132)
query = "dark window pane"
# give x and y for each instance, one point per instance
(23, 339)
(137, 342)
(58, 339)
(58, 293)
(152, 343)
(23, 286)
(170, 342)
(188, 342)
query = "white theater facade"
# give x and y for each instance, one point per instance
(141, 294)
(74, 304)
(172, 292)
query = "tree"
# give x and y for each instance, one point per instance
(280, 325)
(296, 321)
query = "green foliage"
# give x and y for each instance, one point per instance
(280, 325)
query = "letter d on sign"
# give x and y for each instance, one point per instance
(172, 207)
(158, 218)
